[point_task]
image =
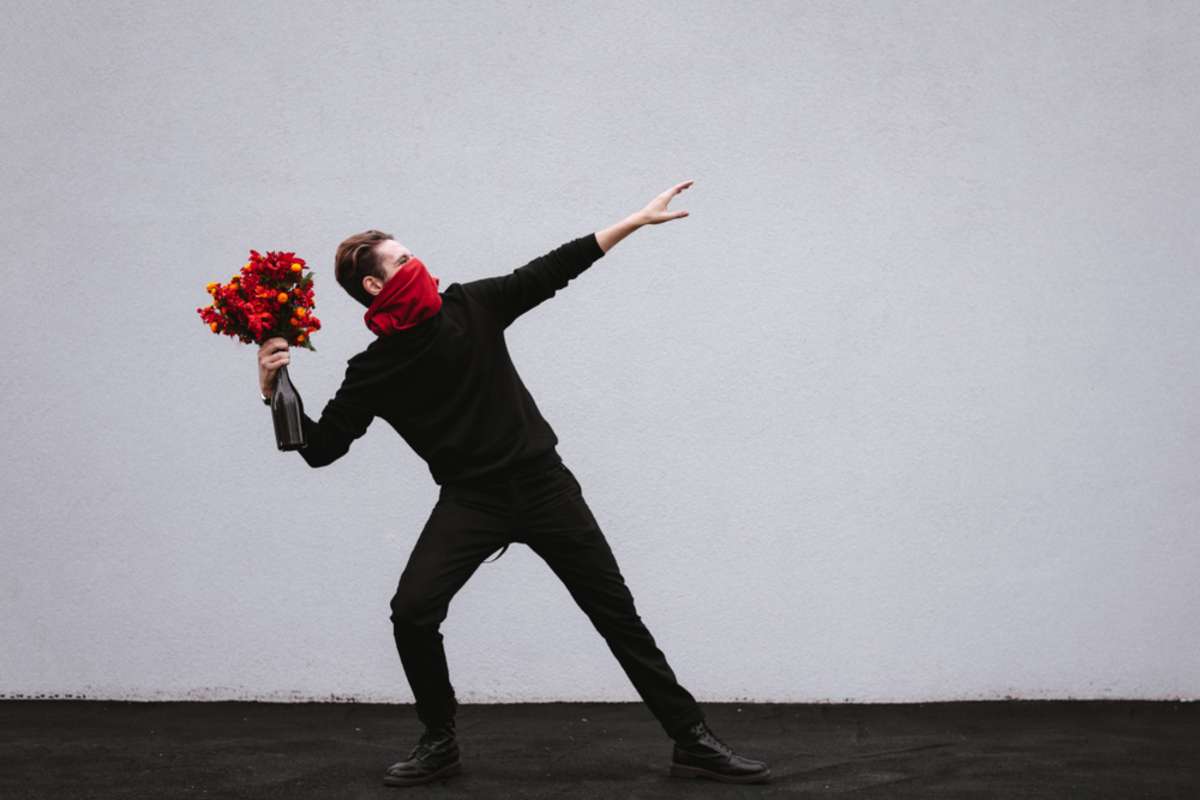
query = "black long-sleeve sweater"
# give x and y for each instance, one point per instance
(447, 384)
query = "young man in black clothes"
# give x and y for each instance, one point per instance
(440, 374)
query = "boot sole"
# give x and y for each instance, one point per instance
(683, 771)
(444, 772)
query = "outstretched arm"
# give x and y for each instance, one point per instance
(509, 296)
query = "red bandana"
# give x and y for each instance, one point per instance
(408, 297)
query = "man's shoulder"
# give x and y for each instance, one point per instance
(462, 294)
(464, 302)
(476, 299)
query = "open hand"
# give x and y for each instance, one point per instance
(656, 211)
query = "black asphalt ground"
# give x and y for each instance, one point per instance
(72, 749)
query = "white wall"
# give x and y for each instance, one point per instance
(905, 410)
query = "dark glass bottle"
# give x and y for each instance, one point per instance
(287, 409)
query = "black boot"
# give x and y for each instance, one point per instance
(435, 756)
(698, 753)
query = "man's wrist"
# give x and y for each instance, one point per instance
(265, 398)
(608, 238)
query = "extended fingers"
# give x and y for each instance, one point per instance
(676, 189)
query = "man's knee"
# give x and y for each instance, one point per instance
(414, 614)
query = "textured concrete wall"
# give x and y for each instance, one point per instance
(905, 409)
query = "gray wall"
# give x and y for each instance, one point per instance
(905, 410)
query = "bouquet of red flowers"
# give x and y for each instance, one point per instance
(271, 296)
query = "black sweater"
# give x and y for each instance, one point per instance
(447, 384)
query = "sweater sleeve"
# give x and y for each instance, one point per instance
(509, 296)
(345, 418)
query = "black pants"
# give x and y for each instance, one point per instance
(544, 508)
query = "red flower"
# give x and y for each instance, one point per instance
(262, 299)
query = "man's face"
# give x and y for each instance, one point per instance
(392, 255)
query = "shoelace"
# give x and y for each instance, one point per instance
(425, 743)
(706, 733)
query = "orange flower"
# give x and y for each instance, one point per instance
(295, 322)
(300, 338)
(296, 267)
(282, 297)
(301, 312)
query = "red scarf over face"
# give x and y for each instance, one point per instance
(408, 297)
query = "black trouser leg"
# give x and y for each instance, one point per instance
(562, 531)
(454, 542)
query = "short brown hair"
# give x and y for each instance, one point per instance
(356, 259)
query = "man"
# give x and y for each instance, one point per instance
(440, 374)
